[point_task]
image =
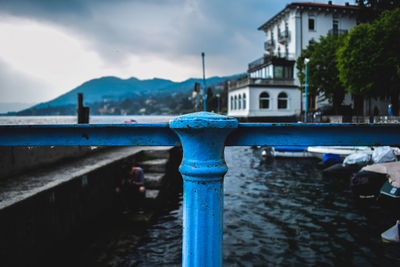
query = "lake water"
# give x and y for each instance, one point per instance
(12, 120)
(277, 212)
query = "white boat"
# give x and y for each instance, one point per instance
(286, 152)
(392, 234)
(342, 151)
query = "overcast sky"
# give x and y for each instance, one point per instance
(48, 47)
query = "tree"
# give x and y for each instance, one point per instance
(369, 60)
(211, 100)
(370, 10)
(322, 76)
(388, 34)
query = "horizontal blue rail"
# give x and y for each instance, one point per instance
(312, 134)
(88, 135)
(247, 134)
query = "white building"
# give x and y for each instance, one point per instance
(270, 90)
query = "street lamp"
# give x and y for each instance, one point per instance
(204, 83)
(306, 60)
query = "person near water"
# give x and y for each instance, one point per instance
(390, 110)
(136, 179)
(130, 190)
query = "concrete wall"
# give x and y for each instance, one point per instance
(16, 160)
(34, 228)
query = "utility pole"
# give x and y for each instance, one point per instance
(218, 96)
(204, 84)
(306, 60)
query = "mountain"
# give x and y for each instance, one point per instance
(13, 106)
(97, 90)
(114, 89)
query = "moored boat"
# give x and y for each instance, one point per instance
(286, 152)
(391, 235)
(342, 151)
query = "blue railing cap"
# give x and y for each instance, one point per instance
(200, 120)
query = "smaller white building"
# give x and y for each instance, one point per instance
(261, 100)
(270, 91)
(275, 101)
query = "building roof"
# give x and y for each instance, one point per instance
(307, 5)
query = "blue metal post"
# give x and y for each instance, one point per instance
(305, 89)
(204, 84)
(203, 166)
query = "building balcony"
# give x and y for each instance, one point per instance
(267, 59)
(283, 37)
(257, 62)
(287, 56)
(336, 32)
(258, 82)
(269, 45)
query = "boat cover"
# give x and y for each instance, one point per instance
(391, 169)
(383, 154)
(359, 158)
(392, 234)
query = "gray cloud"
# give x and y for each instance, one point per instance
(175, 30)
(16, 86)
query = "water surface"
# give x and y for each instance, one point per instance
(279, 212)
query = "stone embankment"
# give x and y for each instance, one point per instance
(41, 208)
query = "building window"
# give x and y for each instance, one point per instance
(269, 72)
(240, 102)
(283, 72)
(231, 102)
(264, 100)
(244, 101)
(235, 105)
(278, 72)
(335, 27)
(311, 24)
(282, 101)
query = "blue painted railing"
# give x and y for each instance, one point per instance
(203, 137)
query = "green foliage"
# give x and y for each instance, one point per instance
(357, 60)
(322, 76)
(369, 59)
(370, 10)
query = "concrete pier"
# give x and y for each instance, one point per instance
(42, 208)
